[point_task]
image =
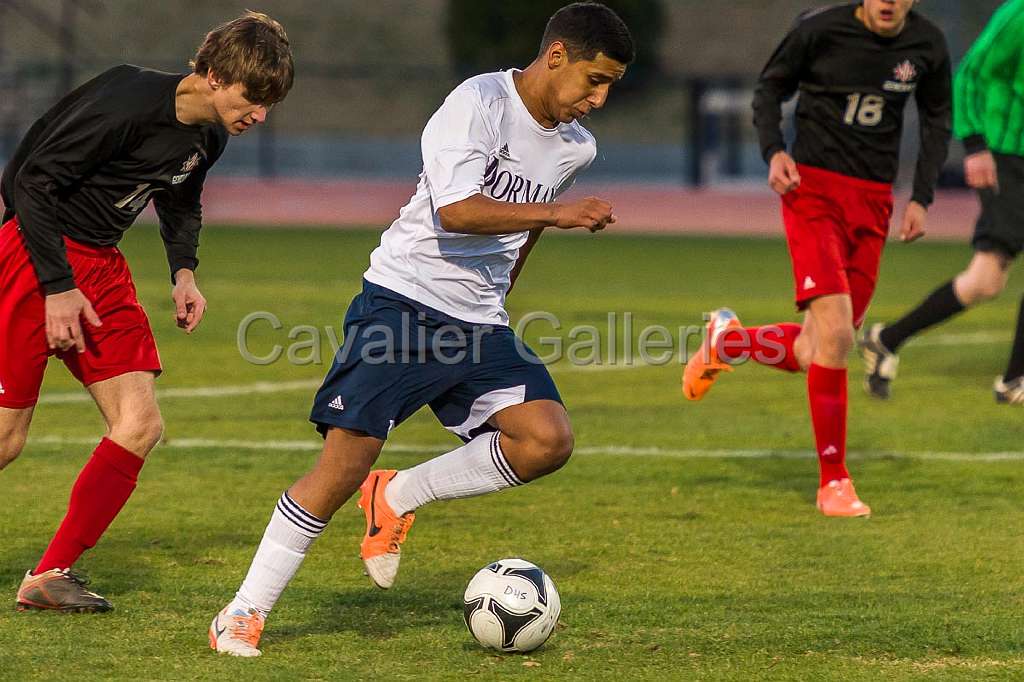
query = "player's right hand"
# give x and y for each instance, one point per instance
(980, 170)
(783, 176)
(591, 213)
(64, 313)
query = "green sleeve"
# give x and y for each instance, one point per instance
(993, 59)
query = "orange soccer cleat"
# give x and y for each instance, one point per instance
(838, 498)
(236, 631)
(385, 531)
(703, 368)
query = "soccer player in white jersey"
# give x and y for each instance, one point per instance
(430, 327)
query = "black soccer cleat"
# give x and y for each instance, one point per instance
(880, 364)
(59, 590)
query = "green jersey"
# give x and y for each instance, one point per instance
(989, 86)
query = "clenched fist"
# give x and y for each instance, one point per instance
(591, 213)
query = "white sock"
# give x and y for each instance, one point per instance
(289, 534)
(477, 468)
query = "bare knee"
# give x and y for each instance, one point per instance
(984, 279)
(803, 348)
(138, 431)
(343, 473)
(547, 449)
(833, 342)
(841, 340)
(558, 446)
(13, 432)
(11, 445)
(973, 288)
(343, 465)
(833, 330)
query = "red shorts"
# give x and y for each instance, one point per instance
(836, 227)
(123, 344)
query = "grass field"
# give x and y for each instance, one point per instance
(672, 562)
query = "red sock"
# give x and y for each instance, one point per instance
(826, 389)
(770, 345)
(103, 486)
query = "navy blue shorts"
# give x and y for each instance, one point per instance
(399, 355)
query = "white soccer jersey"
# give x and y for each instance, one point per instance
(482, 140)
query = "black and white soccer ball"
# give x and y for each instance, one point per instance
(511, 605)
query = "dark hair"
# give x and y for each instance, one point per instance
(589, 29)
(252, 50)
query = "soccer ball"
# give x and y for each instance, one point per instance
(511, 605)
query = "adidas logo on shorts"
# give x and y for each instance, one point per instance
(809, 283)
(337, 404)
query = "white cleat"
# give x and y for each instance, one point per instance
(880, 363)
(237, 632)
(383, 569)
(1009, 393)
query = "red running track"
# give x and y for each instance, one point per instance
(641, 208)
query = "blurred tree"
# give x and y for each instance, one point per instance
(489, 36)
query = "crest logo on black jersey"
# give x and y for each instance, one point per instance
(186, 168)
(905, 71)
(904, 77)
(193, 161)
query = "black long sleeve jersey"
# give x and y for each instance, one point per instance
(90, 165)
(854, 85)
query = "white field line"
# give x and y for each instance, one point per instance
(961, 339)
(200, 391)
(265, 387)
(617, 450)
(618, 366)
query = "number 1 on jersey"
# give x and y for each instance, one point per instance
(865, 110)
(137, 200)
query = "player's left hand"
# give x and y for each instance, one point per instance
(913, 222)
(189, 304)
